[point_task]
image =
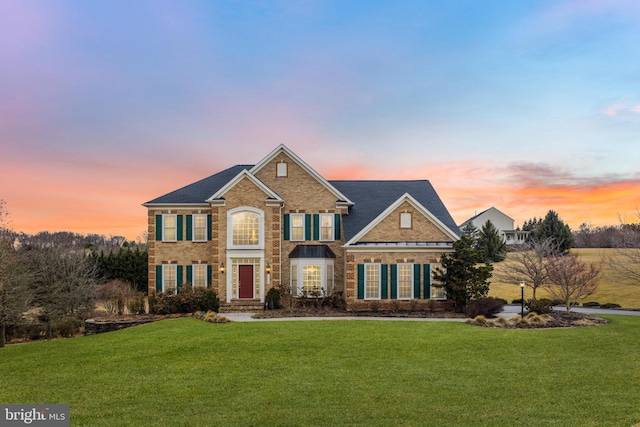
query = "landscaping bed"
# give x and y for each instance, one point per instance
(555, 319)
(329, 312)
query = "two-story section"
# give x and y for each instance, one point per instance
(280, 224)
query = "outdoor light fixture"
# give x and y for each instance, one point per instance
(268, 268)
(522, 298)
(222, 267)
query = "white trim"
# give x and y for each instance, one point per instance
(406, 197)
(240, 209)
(379, 266)
(175, 217)
(304, 227)
(321, 263)
(164, 276)
(283, 149)
(193, 227)
(333, 227)
(411, 281)
(218, 195)
(193, 275)
(238, 253)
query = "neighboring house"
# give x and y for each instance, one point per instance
(502, 222)
(278, 223)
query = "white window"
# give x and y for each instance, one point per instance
(405, 220)
(297, 227)
(312, 280)
(405, 281)
(246, 228)
(281, 170)
(169, 277)
(372, 281)
(169, 228)
(436, 292)
(326, 226)
(312, 277)
(199, 272)
(199, 228)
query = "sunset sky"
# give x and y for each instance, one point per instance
(522, 105)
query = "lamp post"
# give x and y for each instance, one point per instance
(522, 299)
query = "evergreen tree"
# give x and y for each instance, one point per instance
(461, 277)
(491, 243)
(470, 230)
(553, 228)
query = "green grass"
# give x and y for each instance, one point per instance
(611, 288)
(187, 372)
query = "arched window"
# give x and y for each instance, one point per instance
(245, 229)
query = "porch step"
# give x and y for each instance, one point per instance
(242, 306)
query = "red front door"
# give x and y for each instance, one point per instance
(245, 281)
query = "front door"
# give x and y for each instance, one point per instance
(245, 281)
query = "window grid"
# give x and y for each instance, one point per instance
(326, 227)
(200, 227)
(169, 227)
(169, 277)
(200, 275)
(436, 292)
(294, 279)
(297, 227)
(246, 228)
(372, 281)
(312, 279)
(405, 281)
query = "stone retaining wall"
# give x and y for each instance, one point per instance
(92, 327)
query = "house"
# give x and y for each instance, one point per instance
(278, 223)
(502, 222)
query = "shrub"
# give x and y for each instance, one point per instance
(480, 319)
(273, 299)
(210, 316)
(535, 318)
(610, 305)
(591, 304)
(487, 307)
(517, 301)
(136, 304)
(67, 326)
(114, 296)
(540, 306)
(210, 301)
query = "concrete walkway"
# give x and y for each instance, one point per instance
(508, 312)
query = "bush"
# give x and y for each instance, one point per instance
(67, 326)
(517, 301)
(540, 306)
(487, 307)
(136, 304)
(591, 304)
(610, 305)
(187, 300)
(273, 299)
(210, 301)
(114, 296)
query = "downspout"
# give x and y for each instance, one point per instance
(280, 250)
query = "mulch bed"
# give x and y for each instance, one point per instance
(555, 319)
(327, 312)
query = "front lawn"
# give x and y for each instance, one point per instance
(186, 372)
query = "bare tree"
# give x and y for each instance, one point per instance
(527, 264)
(64, 284)
(15, 295)
(571, 280)
(626, 260)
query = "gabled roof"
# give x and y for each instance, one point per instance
(200, 191)
(283, 149)
(372, 198)
(244, 174)
(473, 218)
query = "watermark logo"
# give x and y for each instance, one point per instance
(34, 415)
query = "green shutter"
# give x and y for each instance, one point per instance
(209, 219)
(179, 227)
(394, 281)
(384, 282)
(360, 281)
(416, 281)
(336, 226)
(158, 228)
(209, 271)
(316, 227)
(427, 281)
(307, 227)
(189, 227)
(190, 274)
(286, 231)
(158, 278)
(179, 275)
